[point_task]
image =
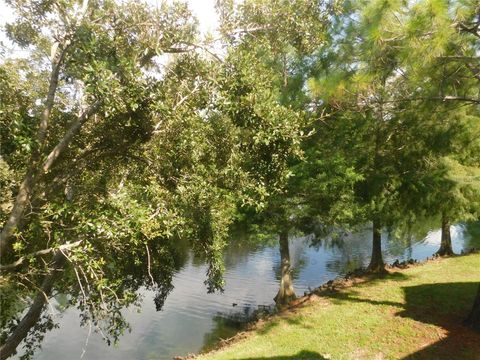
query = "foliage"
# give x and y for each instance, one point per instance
(125, 137)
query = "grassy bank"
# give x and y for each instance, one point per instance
(414, 313)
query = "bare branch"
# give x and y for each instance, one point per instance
(148, 265)
(437, 98)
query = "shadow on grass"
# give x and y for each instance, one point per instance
(394, 276)
(339, 298)
(352, 295)
(288, 318)
(304, 354)
(445, 305)
(336, 297)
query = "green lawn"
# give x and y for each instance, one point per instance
(411, 314)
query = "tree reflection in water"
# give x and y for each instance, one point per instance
(129, 277)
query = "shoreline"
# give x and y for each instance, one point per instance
(324, 291)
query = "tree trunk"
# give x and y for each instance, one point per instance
(31, 317)
(28, 184)
(473, 320)
(446, 242)
(285, 293)
(376, 263)
(16, 214)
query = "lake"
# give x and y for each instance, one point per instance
(192, 320)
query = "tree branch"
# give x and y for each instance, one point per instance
(35, 310)
(74, 128)
(438, 98)
(28, 183)
(19, 262)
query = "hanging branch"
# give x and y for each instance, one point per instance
(148, 265)
(35, 310)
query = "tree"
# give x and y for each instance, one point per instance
(381, 91)
(359, 94)
(82, 205)
(442, 96)
(270, 136)
(132, 154)
(445, 77)
(270, 44)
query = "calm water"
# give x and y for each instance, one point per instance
(192, 320)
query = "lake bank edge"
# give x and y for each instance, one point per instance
(325, 291)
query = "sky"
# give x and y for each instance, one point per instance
(5, 16)
(204, 10)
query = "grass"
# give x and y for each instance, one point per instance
(415, 313)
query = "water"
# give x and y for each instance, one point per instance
(192, 320)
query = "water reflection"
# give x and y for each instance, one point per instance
(192, 320)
